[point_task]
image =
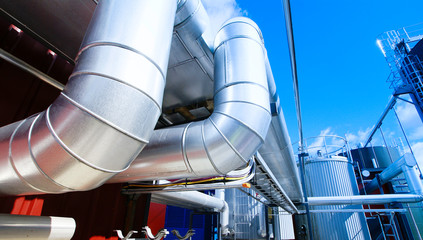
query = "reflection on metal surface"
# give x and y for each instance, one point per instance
(90, 132)
(229, 137)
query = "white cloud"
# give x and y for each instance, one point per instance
(418, 152)
(408, 114)
(219, 11)
(355, 139)
(319, 142)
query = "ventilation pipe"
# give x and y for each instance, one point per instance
(408, 166)
(107, 111)
(36, 227)
(197, 201)
(277, 149)
(236, 129)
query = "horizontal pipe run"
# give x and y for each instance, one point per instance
(365, 199)
(30, 69)
(19, 227)
(384, 210)
(190, 200)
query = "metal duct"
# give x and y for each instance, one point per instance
(19, 227)
(107, 111)
(236, 129)
(277, 149)
(365, 199)
(405, 164)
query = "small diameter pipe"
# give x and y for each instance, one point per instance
(365, 199)
(224, 214)
(36, 227)
(30, 69)
(197, 201)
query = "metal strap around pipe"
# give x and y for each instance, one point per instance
(30, 69)
(102, 133)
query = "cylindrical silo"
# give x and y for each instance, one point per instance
(334, 177)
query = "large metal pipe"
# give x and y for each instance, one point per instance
(19, 227)
(405, 164)
(277, 149)
(108, 110)
(230, 136)
(365, 199)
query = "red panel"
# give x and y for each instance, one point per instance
(23, 206)
(97, 213)
(156, 217)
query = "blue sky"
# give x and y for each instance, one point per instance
(342, 73)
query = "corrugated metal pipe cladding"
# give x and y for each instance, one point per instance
(236, 129)
(108, 110)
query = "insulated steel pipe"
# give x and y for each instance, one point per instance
(107, 111)
(277, 149)
(230, 136)
(191, 200)
(19, 227)
(407, 165)
(365, 199)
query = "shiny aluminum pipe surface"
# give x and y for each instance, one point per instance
(236, 129)
(277, 149)
(107, 111)
(19, 227)
(365, 199)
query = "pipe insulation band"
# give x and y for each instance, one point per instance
(19, 227)
(107, 111)
(235, 130)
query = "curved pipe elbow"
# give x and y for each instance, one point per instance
(236, 129)
(92, 131)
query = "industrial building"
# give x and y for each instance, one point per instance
(122, 122)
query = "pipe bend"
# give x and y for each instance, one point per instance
(236, 129)
(92, 130)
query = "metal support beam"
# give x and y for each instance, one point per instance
(30, 69)
(385, 112)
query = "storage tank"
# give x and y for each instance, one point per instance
(380, 156)
(334, 176)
